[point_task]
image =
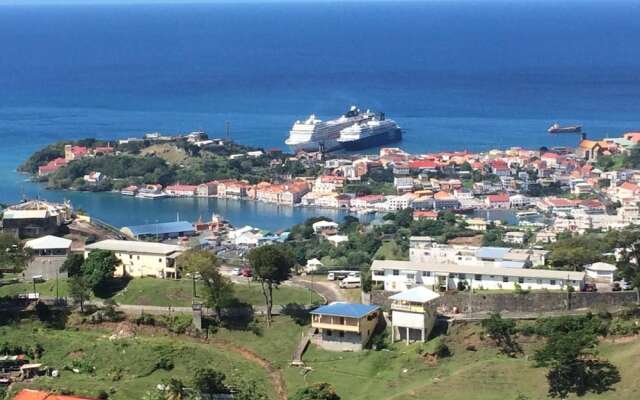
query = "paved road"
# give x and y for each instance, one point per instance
(326, 289)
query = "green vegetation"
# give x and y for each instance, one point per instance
(13, 256)
(318, 391)
(125, 368)
(617, 162)
(271, 266)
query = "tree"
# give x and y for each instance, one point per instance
(79, 290)
(271, 266)
(174, 389)
(218, 289)
(73, 264)
(12, 253)
(98, 269)
(628, 242)
(573, 366)
(209, 381)
(502, 331)
(318, 391)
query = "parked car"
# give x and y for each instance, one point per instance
(616, 287)
(247, 272)
(589, 287)
(350, 282)
(236, 272)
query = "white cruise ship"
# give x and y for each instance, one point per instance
(374, 131)
(314, 134)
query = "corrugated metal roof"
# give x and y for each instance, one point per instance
(346, 310)
(162, 228)
(380, 265)
(418, 294)
(492, 252)
(48, 242)
(134, 247)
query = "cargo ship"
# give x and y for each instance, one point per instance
(556, 128)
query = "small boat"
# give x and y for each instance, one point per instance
(556, 128)
(527, 214)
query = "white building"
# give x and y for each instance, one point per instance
(413, 314)
(515, 237)
(601, 271)
(313, 265)
(325, 227)
(49, 246)
(398, 276)
(139, 259)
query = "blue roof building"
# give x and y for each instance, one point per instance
(163, 230)
(344, 326)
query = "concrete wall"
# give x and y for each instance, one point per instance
(530, 302)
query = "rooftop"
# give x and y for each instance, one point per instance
(418, 294)
(48, 242)
(346, 310)
(134, 247)
(162, 228)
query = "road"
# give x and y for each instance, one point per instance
(326, 289)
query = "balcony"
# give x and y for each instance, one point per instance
(413, 308)
(336, 323)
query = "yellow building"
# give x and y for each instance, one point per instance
(413, 314)
(344, 326)
(140, 259)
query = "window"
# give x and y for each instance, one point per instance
(341, 334)
(477, 277)
(137, 257)
(411, 276)
(505, 279)
(539, 281)
(462, 276)
(426, 273)
(328, 332)
(396, 272)
(552, 281)
(159, 260)
(520, 279)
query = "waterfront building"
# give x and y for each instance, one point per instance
(35, 218)
(181, 190)
(500, 200)
(52, 166)
(344, 326)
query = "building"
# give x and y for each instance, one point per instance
(52, 166)
(159, 231)
(500, 200)
(313, 265)
(344, 326)
(515, 237)
(139, 259)
(28, 394)
(420, 215)
(601, 271)
(94, 177)
(181, 190)
(35, 218)
(49, 253)
(325, 227)
(397, 276)
(413, 314)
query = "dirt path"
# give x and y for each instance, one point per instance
(275, 375)
(328, 290)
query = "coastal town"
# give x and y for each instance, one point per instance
(544, 233)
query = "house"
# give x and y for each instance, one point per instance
(367, 201)
(28, 394)
(518, 201)
(515, 237)
(413, 314)
(49, 246)
(500, 200)
(93, 178)
(159, 231)
(397, 276)
(325, 227)
(139, 259)
(546, 237)
(601, 271)
(328, 183)
(344, 326)
(421, 215)
(476, 224)
(403, 183)
(590, 150)
(337, 239)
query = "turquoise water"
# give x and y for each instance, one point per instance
(456, 75)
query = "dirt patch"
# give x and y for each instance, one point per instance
(468, 241)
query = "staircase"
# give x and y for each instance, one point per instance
(296, 360)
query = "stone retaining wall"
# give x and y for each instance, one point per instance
(522, 302)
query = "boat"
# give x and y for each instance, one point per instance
(527, 214)
(556, 128)
(313, 134)
(374, 131)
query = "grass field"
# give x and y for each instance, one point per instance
(125, 368)
(402, 373)
(165, 292)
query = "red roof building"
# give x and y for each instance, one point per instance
(52, 166)
(419, 215)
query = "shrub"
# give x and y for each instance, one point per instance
(442, 350)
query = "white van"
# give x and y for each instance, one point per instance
(350, 282)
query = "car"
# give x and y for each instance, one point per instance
(616, 287)
(350, 282)
(589, 287)
(247, 272)
(236, 272)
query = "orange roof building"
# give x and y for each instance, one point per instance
(28, 394)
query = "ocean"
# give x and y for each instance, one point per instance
(456, 75)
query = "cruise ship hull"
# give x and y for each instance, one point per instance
(311, 146)
(374, 140)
